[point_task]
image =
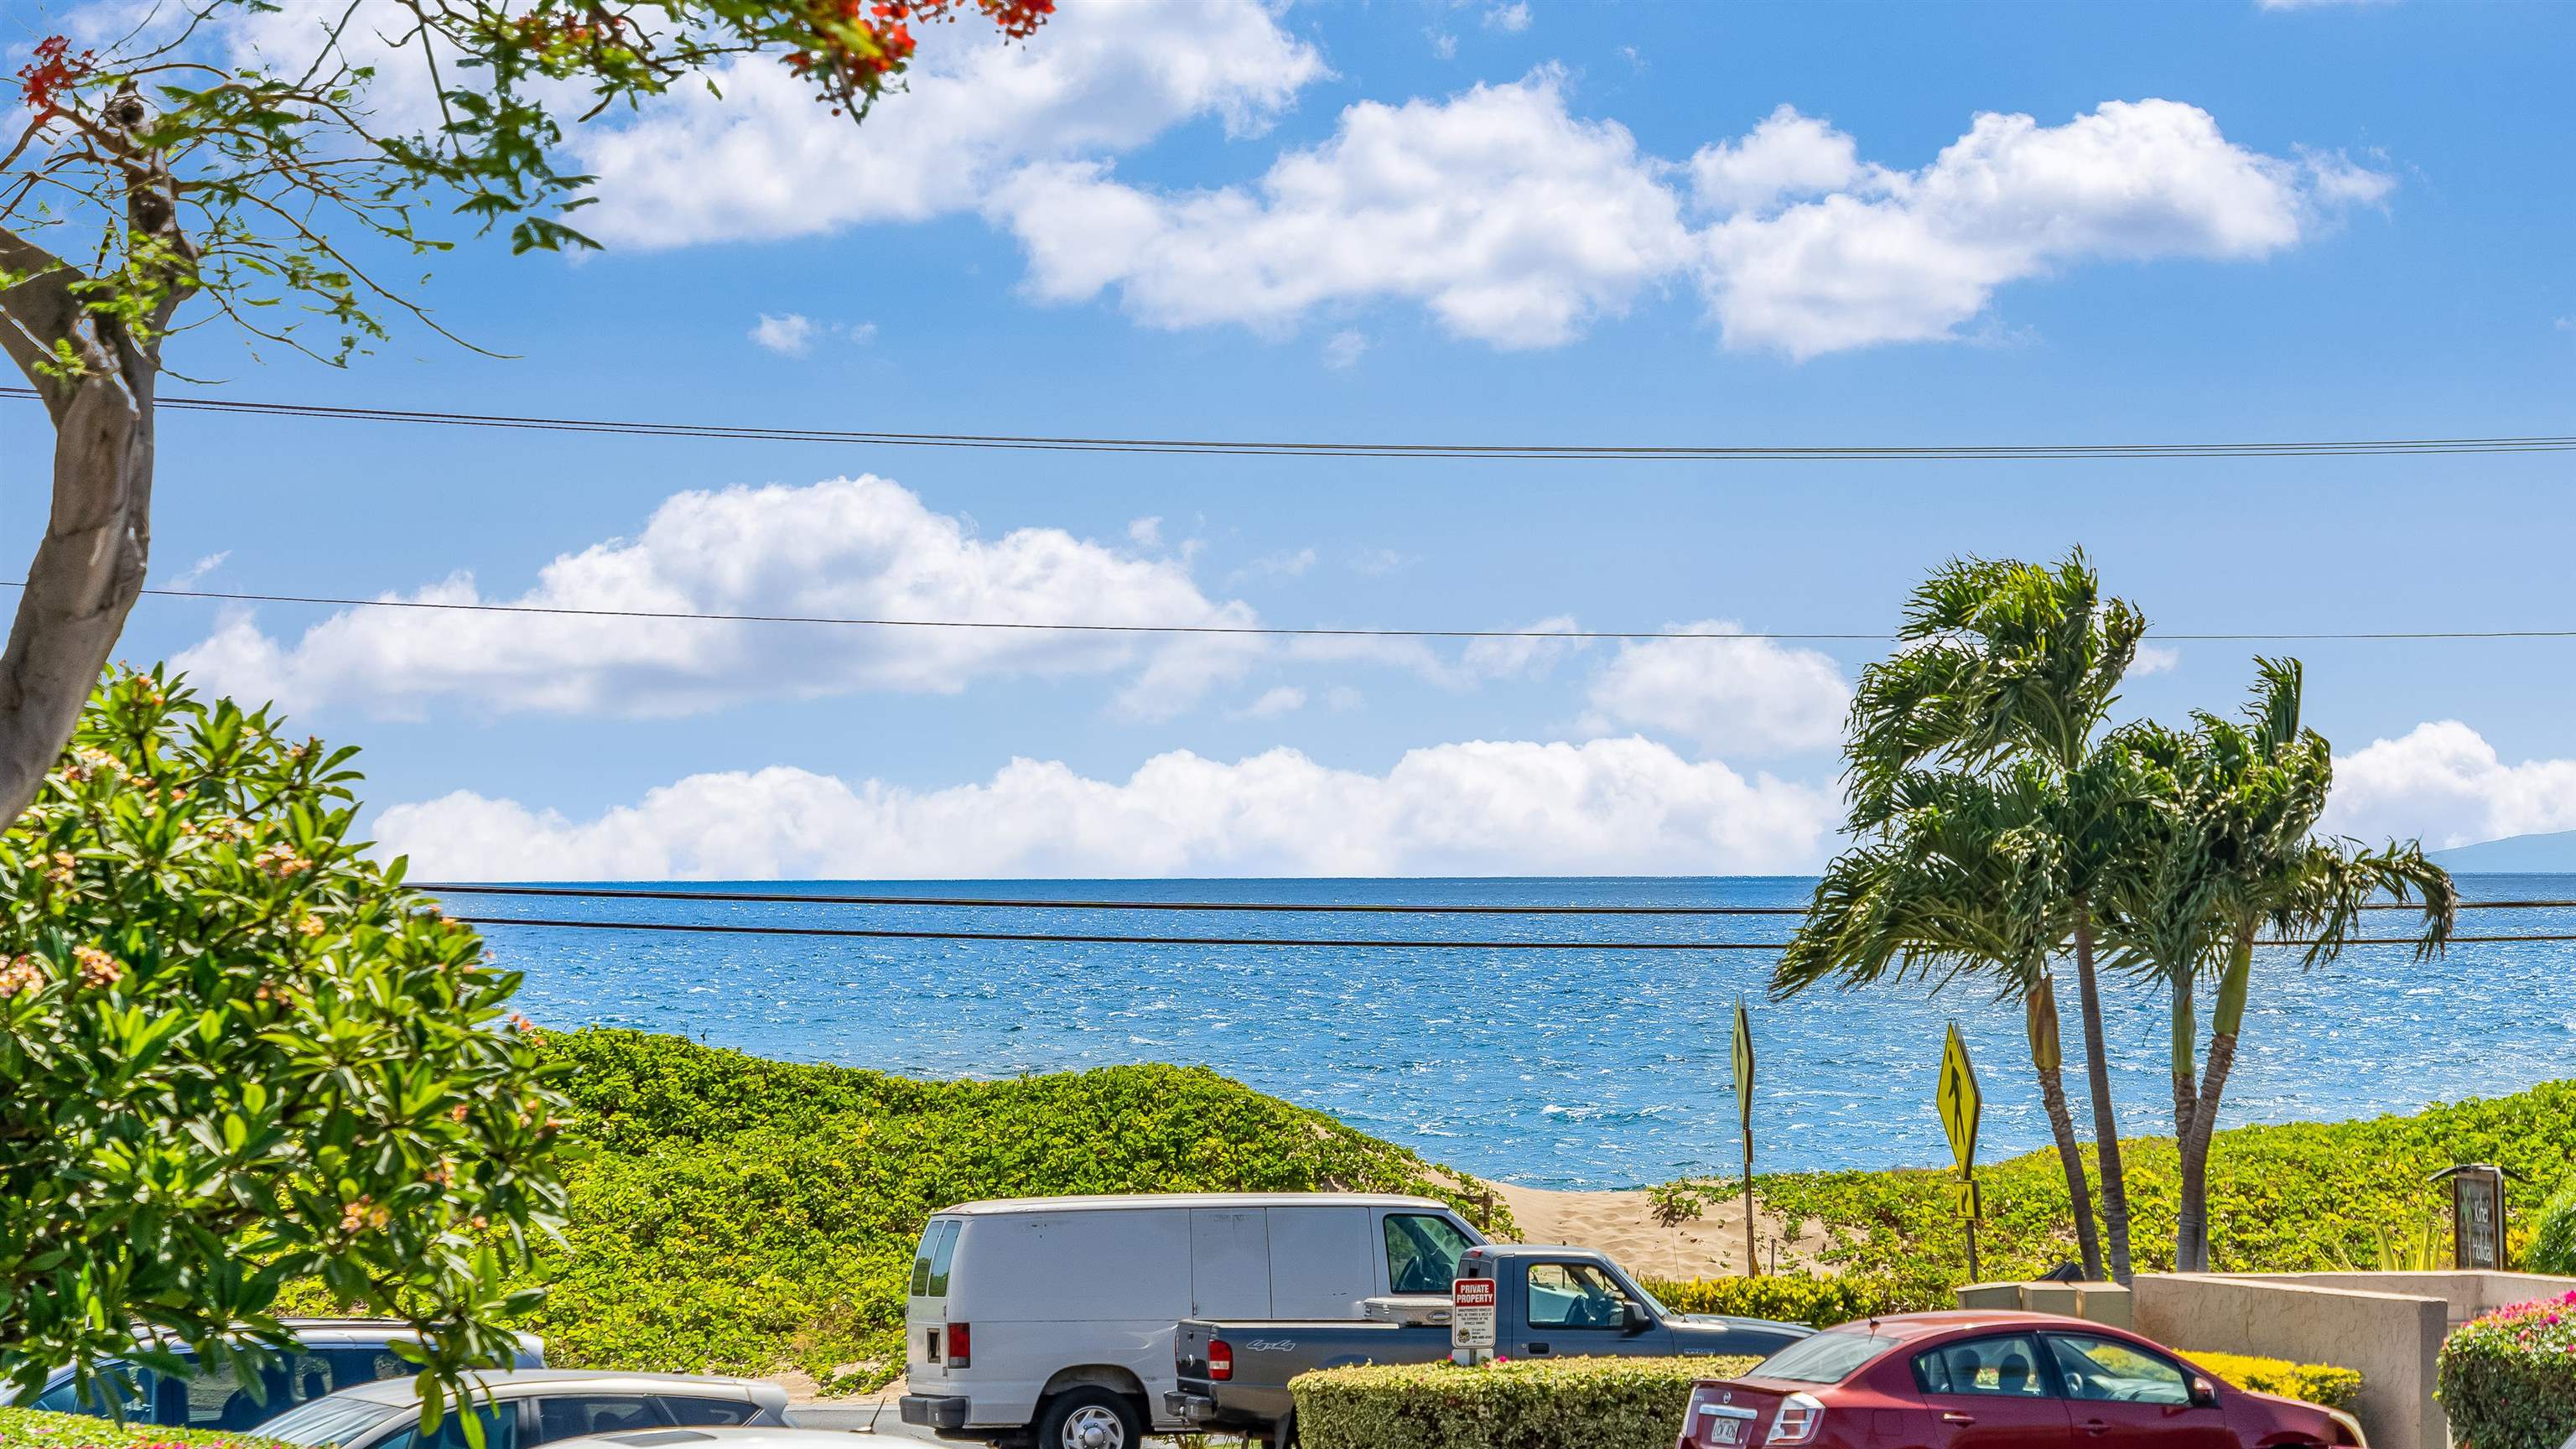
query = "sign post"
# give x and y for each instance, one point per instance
(1961, 1103)
(1744, 1121)
(1473, 1308)
(2477, 1215)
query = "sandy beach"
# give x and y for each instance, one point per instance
(1622, 1225)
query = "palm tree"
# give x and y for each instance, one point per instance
(2232, 852)
(2007, 661)
(1957, 881)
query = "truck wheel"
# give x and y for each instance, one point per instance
(1090, 1419)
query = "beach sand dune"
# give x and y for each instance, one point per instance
(1622, 1225)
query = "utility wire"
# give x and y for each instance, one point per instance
(1253, 629)
(1560, 452)
(1106, 939)
(1325, 908)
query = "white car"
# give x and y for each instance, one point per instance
(520, 1408)
(1053, 1316)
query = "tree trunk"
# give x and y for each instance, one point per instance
(2070, 1156)
(88, 567)
(2097, 1080)
(2226, 1023)
(2186, 1100)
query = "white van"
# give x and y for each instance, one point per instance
(1050, 1318)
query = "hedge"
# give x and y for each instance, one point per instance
(2326, 1384)
(1796, 1298)
(28, 1429)
(2508, 1379)
(1573, 1403)
(2553, 1238)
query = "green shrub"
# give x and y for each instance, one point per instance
(2294, 1197)
(1796, 1298)
(740, 1215)
(1575, 1403)
(28, 1429)
(2553, 1237)
(2508, 1379)
(2315, 1383)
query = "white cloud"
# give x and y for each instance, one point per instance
(1748, 695)
(1146, 532)
(1284, 564)
(1274, 702)
(1788, 155)
(1510, 19)
(763, 160)
(1444, 46)
(1513, 221)
(1505, 658)
(1912, 256)
(195, 573)
(850, 547)
(1344, 348)
(2155, 659)
(791, 335)
(1621, 806)
(2443, 783)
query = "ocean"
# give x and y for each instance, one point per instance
(1584, 1068)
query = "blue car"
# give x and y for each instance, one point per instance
(337, 1353)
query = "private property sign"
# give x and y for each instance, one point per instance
(1472, 1303)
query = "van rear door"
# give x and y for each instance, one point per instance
(1229, 1263)
(925, 1311)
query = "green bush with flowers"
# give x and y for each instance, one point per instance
(235, 1053)
(2508, 1378)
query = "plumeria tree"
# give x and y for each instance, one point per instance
(236, 1056)
(234, 162)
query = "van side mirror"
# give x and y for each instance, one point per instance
(1633, 1319)
(2204, 1394)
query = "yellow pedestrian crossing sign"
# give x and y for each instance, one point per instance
(1960, 1102)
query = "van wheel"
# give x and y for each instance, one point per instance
(1090, 1419)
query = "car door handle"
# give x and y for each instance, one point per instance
(1535, 1347)
(2095, 1427)
(1955, 1417)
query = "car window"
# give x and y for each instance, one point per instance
(67, 1398)
(330, 1421)
(2008, 1366)
(2106, 1368)
(1422, 1253)
(711, 1411)
(1824, 1358)
(1573, 1295)
(571, 1416)
(500, 1431)
(941, 1256)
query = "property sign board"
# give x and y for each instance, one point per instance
(2477, 1217)
(1472, 1311)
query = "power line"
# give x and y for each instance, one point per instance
(1108, 939)
(1273, 631)
(1557, 452)
(822, 898)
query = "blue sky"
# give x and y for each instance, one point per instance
(1415, 219)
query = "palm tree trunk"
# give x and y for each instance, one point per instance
(2070, 1156)
(2186, 1100)
(2097, 1081)
(2226, 1022)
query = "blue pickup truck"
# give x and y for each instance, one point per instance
(1551, 1302)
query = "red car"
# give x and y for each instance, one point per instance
(1994, 1380)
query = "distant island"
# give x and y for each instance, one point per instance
(2547, 854)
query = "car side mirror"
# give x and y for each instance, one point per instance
(2204, 1394)
(1633, 1319)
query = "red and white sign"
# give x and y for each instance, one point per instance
(1472, 1304)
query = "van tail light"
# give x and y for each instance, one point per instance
(1800, 1419)
(1220, 1360)
(961, 1346)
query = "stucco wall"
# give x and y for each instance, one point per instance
(2390, 1337)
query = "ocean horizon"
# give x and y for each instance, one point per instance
(1584, 1068)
